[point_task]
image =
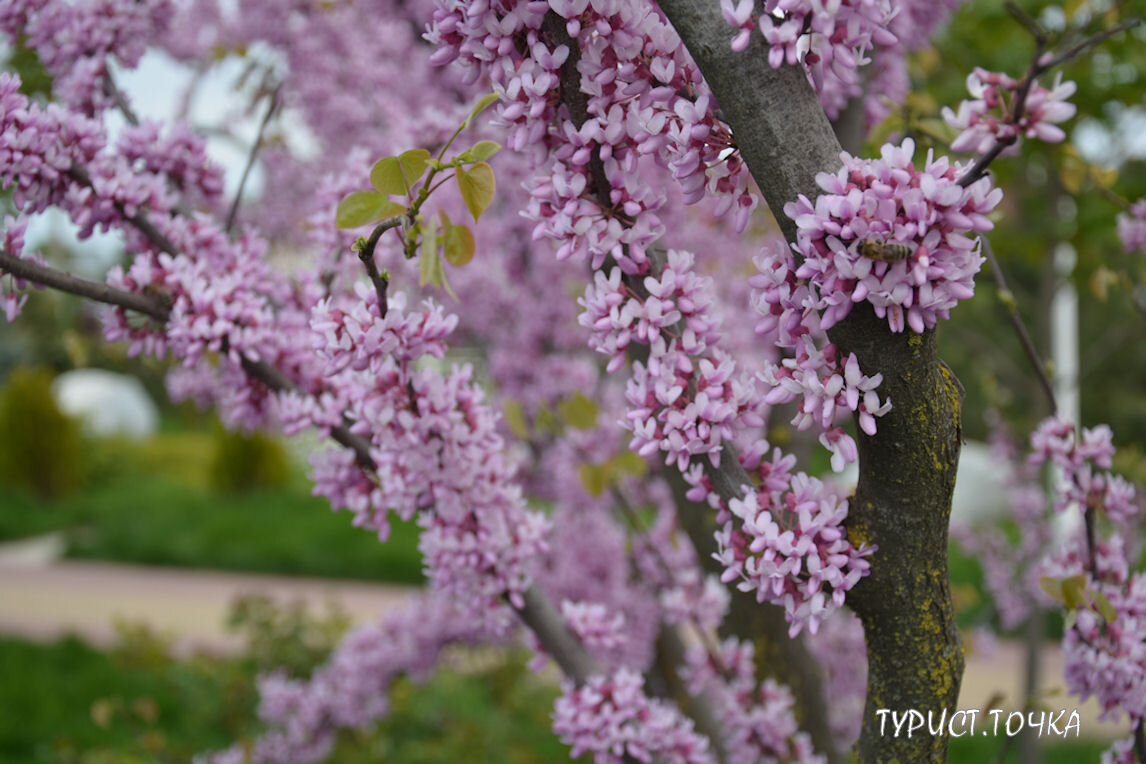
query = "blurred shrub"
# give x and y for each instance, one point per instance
(242, 462)
(41, 449)
(286, 636)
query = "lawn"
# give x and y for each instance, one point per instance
(152, 503)
(68, 703)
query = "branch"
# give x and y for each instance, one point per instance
(366, 254)
(544, 620)
(117, 95)
(254, 152)
(160, 310)
(1090, 42)
(46, 276)
(1007, 298)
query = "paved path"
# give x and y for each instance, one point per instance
(42, 597)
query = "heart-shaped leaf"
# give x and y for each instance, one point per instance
(362, 207)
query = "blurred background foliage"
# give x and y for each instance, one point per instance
(69, 703)
(1054, 194)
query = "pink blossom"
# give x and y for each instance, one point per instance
(1132, 227)
(989, 118)
(612, 718)
(889, 201)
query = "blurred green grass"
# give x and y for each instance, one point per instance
(151, 503)
(68, 703)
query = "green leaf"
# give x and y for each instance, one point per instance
(1074, 591)
(396, 175)
(430, 264)
(1104, 608)
(482, 150)
(544, 422)
(1053, 588)
(483, 103)
(362, 207)
(515, 419)
(630, 462)
(459, 247)
(578, 411)
(594, 479)
(476, 186)
(430, 270)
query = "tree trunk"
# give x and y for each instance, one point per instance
(907, 471)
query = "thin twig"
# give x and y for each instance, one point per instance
(1140, 742)
(366, 254)
(1091, 550)
(1091, 41)
(120, 99)
(271, 108)
(1008, 299)
(1116, 199)
(1036, 31)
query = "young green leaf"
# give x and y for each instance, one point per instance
(1104, 608)
(484, 103)
(1073, 590)
(515, 419)
(1053, 588)
(459, 246)
(362, 207)
(395, 175)
(594, 478)
(476, 186)
(578, 411)
(430, 270)
(482, 150)
(630, 462)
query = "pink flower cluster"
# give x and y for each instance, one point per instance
(617, 315)
(180, 156)
(839, 648)
(435, 447)
(790, 548)
(1108, 659)
(825, 384)
(73, 41)
(1080, 483)
(1132, 227)
(831, 40)
(757, 721)
(612, 718)
(989, 118)
(643, 96)
(39, 145)
(882, 202)
(1103, 646)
